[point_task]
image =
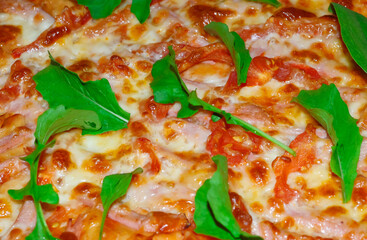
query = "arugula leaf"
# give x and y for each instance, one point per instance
(328, 108)
(213, 215)
(194, 100)
(100, 8)
(353, 28)
(274, 3)
(60, 86)
(113, 187)
(167, 85)
(51, 122)
(141, 9)
(236, 46)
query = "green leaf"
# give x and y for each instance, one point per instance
(58, 120)
(100, 8)
(353, 28)
(40, 231)
(113, 187)
(194, 100)
(60, 86)
(51, 122)
(328, 108)
(213, 211)
(274, 3)
(167, 85)
(236, 46)
(141, 9)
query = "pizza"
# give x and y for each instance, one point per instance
(190, 119)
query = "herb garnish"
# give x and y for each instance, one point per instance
(213, 215)
(236, 46)
(104, 8)
(328, 108)
(100, 8)
(353, 27)
(51, 122)
(168, 87)
(113, 187)
(141, 9)
(274, 3)
(60, 86)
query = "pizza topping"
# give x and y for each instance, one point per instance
(141, 9)
(353, 30)
(145, 146)
(100, 8)
(113, 187)
(233, 142)
(61, 159)
(240, 212)
(51, 122)
(93, 95)
(19, 83)
(292, 14)
(153, 110)
(274, 3)
(168, 87)
(202, 15)
(213, 215)
(304, 145)
(70, 19)
(328, 108)
(8, 33)
(236, 46)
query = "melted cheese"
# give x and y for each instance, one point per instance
(180, 145)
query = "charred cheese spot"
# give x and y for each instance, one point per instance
(138, 129)
(61, 159)
(137, 31)
(257, 207)
(123, 150)
(327, 52)
(306, 55)
(16, 234)
(116, 65)
(240, 212)
(85, 68)
(143, 66)
(334, 211)
(202, 15)
(329, 190)
(360, 191)
(276, 204)
(19, 82)
(172, 129)
(86, 190)
(287, 223)
(127, 87)
(258, 171)
(252, 11)
(160, 16)
(8, 33)
(5, 208)
(292, 14)
(97, 164)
